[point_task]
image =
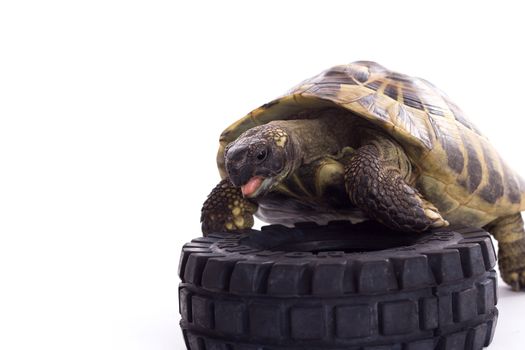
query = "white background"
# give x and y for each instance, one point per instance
(110, 116)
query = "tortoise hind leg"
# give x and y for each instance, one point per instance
(375, 181)
(510, 234)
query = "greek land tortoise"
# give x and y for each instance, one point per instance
(359, 142)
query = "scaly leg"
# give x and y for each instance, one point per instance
(375, 178)
(226, 209)
(510, 234)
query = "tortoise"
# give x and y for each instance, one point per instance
(360, 142)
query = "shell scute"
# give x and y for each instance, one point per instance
(441, 141)
(391, 90)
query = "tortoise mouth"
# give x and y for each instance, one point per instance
(256, 186)
(252, 186)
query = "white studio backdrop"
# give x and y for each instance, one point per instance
(110, 113)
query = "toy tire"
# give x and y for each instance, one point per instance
(339, 286)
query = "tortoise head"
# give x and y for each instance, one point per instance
(259, 159)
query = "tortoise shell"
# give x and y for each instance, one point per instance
(455, 166)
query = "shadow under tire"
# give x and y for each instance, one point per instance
(339, 286)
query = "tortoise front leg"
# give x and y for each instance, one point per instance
(510, 234)
(375, 181)
(226, 209)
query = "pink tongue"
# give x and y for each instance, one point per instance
(251, 186)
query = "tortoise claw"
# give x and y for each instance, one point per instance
(432, 213)
(516, 280)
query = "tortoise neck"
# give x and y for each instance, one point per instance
(317, 138)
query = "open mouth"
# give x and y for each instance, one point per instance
(255, 186)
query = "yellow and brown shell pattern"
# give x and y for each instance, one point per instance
(456, 167)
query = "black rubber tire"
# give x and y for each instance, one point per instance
(327, 287)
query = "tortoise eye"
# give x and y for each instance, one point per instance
(261, 155)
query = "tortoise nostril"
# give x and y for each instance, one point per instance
(236, 153)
